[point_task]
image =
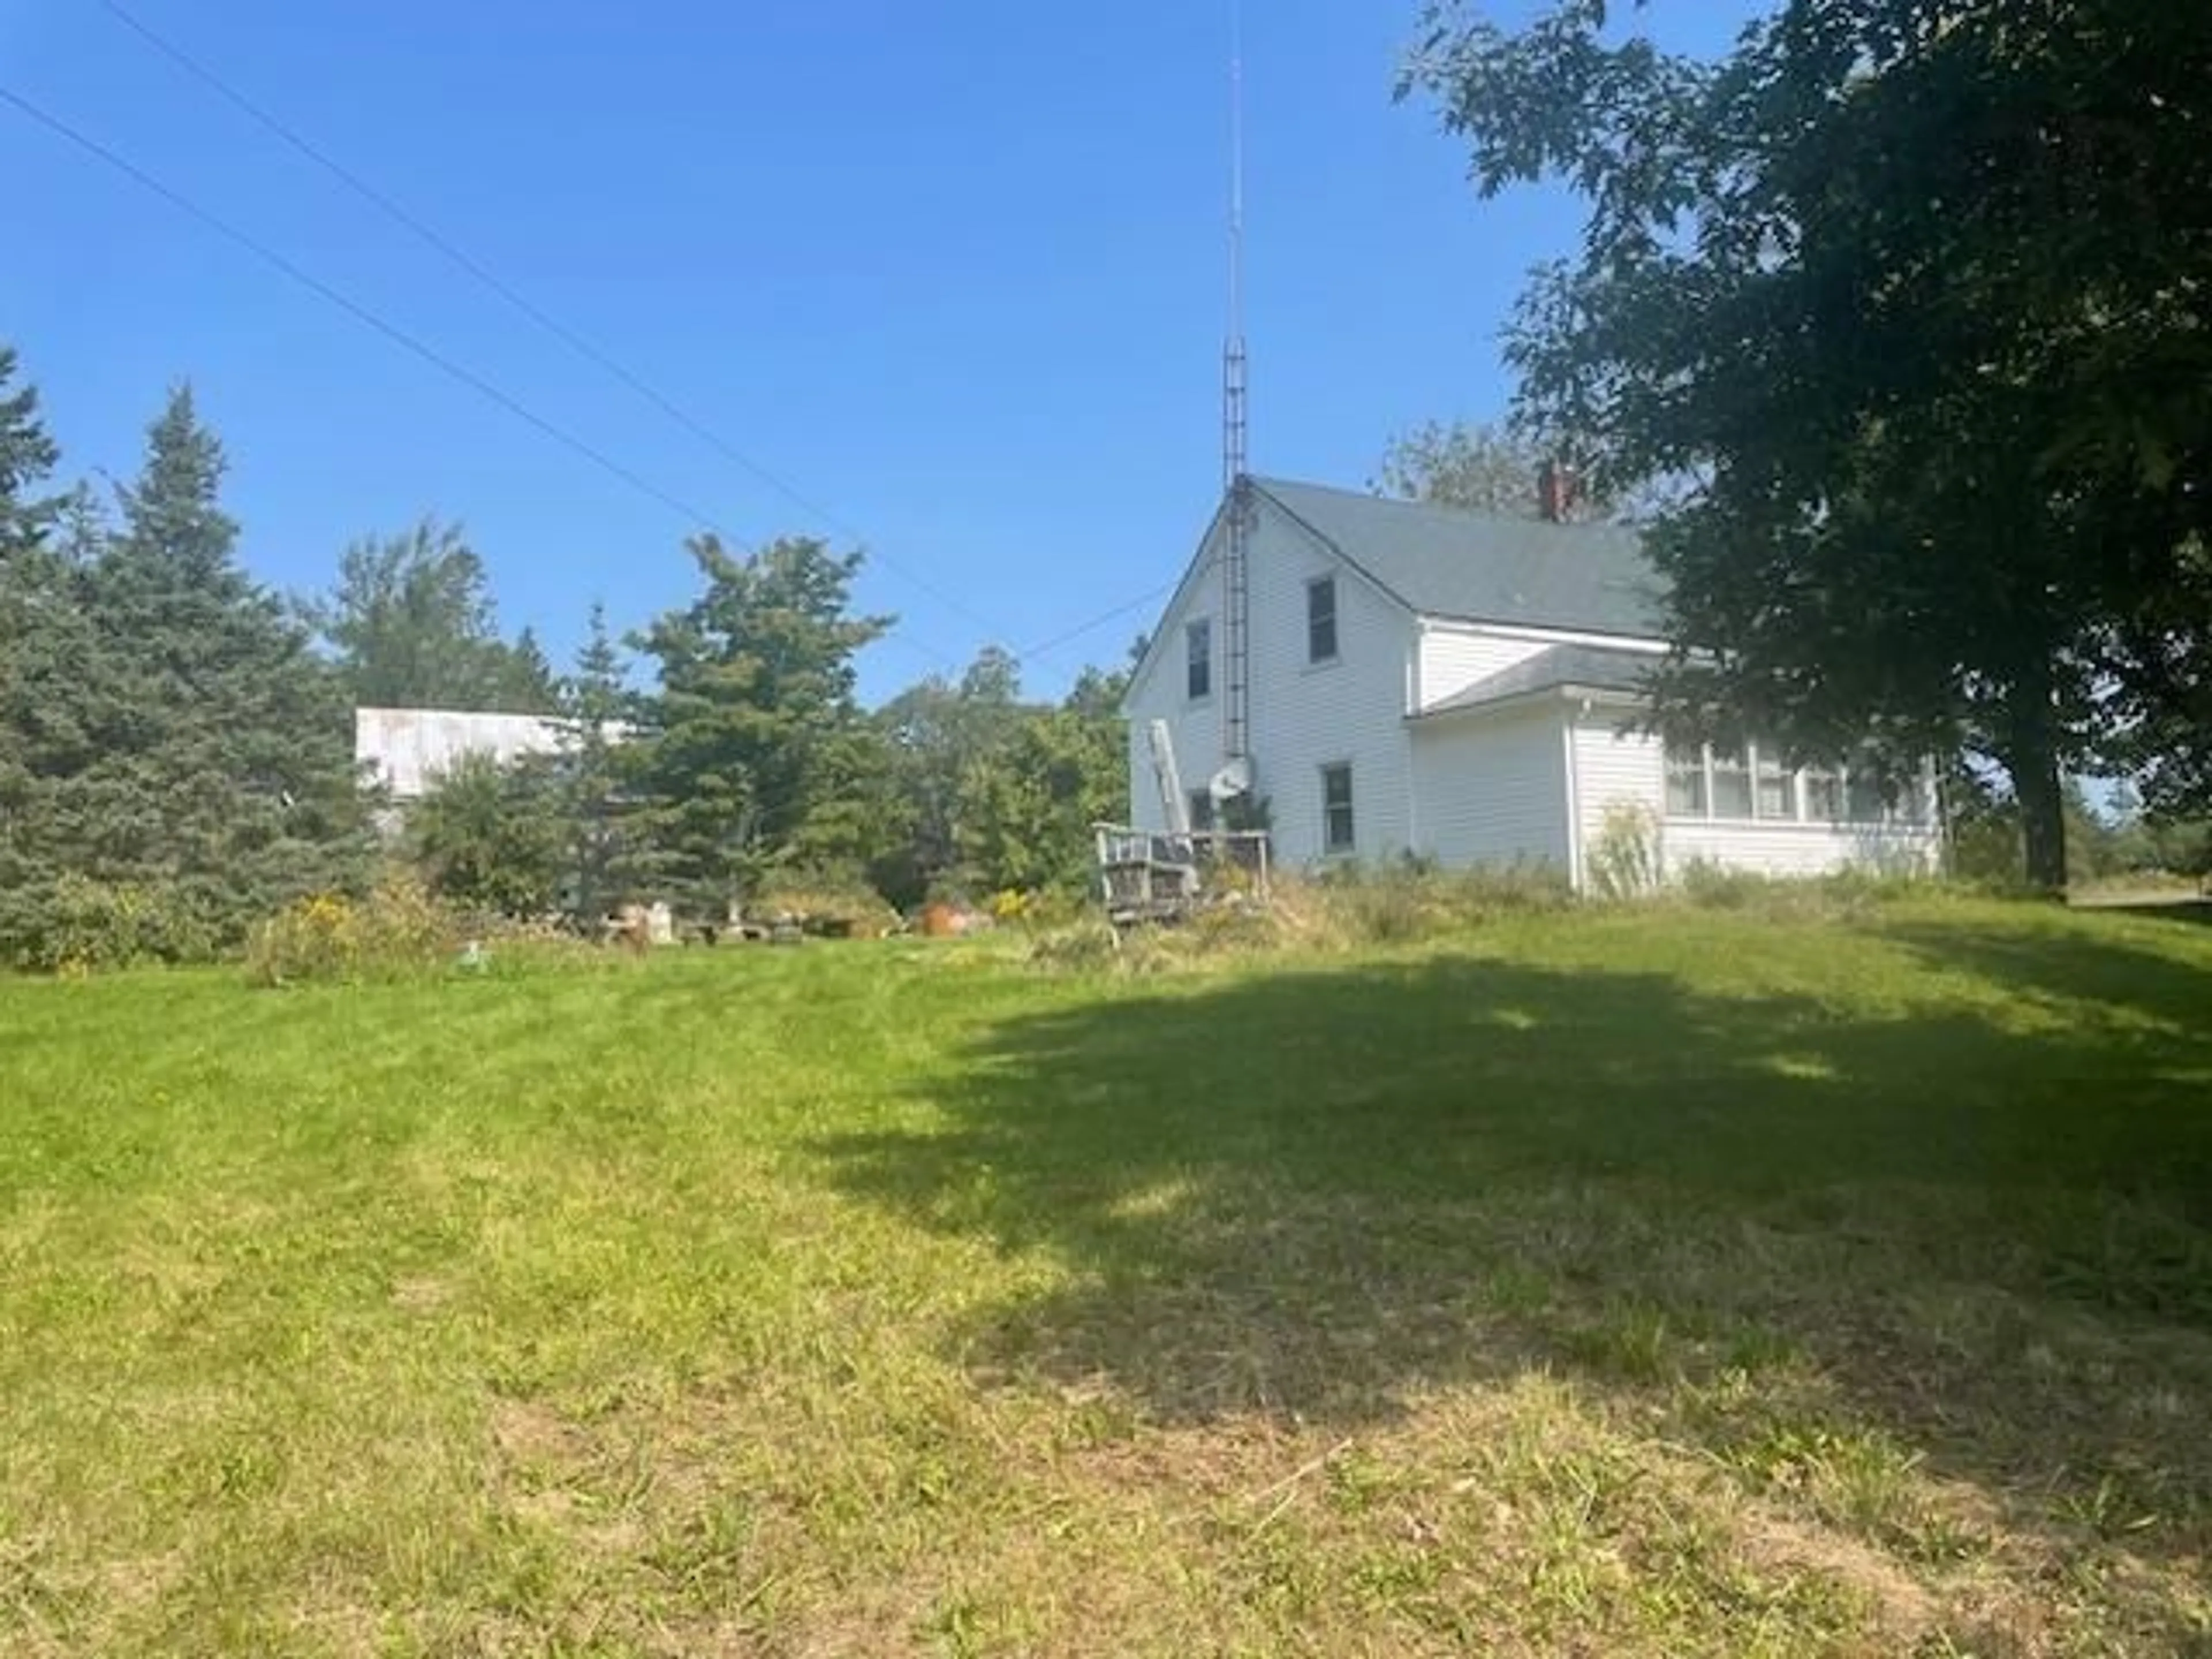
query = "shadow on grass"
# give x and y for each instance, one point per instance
(2127, 974)
(1315, 1193)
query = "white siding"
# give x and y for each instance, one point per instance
(1455, 656)
(1614, 766)
(1303, 716)
(1799, 849)
(1615, 769)
(1492, 790)
(1454, 659)
(1158, 694)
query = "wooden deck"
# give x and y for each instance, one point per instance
(1145, 876)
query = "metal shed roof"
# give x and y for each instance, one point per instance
(408, 747)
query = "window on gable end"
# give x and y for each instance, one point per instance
(1198, 644)
(1320, 619)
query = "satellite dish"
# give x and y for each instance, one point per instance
(1232, 781)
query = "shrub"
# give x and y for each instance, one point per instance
(1218, 933)
(488, 835)
(1624, 860)
(74, 925)
(1082, 947)
(1852, 890)
(398, 930)
(1412, 899)
(1714, 886)
(1036, 908)
(824, 899)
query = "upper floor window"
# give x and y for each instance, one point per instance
(1320, 619)
(1198, 644)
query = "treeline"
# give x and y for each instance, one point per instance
(176, 749)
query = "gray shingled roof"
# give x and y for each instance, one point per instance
(1595, 667)
(1479, 567)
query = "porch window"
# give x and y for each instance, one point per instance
(1731, 784)
(1776, 792)
(1336, 825)
(1824, 794)
(1863, 799)
(1686, 782)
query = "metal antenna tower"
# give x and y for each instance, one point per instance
(1236, 572)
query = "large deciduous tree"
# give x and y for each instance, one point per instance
(492, 837)
(935, 733)
(753, 743)
(1483, 469)
(1918, 295)
(1029, 803)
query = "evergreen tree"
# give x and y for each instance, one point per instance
(752, 743)
(49, 672)
(597, 808)
(28, 458)
(411, 625)
(224, 776)
(526, 682)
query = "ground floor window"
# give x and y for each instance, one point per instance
(1753, 782)
(1824, 794)
(1730, 789)
(1337, 834)
(1685, 784)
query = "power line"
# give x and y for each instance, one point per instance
(1098, 622)
(406, 340)
(521, 303)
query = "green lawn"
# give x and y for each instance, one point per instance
(1670, 1283)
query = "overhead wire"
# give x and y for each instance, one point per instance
(572, 338)
(407, 341)
(1100, 621)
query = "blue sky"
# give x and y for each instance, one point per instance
(953, 271)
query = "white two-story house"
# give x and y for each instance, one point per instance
(1468, 686)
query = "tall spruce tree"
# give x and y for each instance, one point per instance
(47, 663)
(751, 745)
(225, 780)
(29, 456)
(597, 806)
